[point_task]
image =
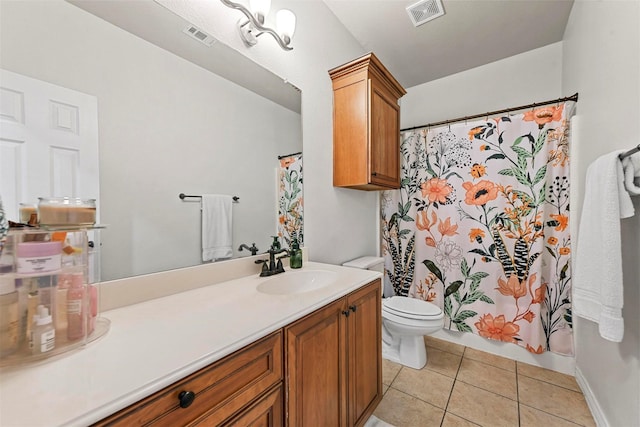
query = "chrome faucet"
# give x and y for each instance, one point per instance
(253, 249)
(273, 267)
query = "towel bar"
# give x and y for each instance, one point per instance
(182, 196)
(630, 152)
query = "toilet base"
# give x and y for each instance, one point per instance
(407, 350)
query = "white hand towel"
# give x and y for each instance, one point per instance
(216, 227)
(597, 281)
(631, 166)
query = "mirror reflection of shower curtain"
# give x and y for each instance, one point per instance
(290, 199)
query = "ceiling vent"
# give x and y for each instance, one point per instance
(199, 35)
(424, 11)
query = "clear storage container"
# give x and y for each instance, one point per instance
(46, 270)
(66, 211)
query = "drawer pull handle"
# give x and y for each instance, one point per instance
(374, 173)
(186, 398)
(353, 308)
(346, 313)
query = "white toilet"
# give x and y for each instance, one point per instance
(405, 321)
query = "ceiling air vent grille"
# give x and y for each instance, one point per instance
(424, 11)
(199, 35)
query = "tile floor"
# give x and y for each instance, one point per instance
(461, 386)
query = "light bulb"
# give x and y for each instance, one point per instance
(286, 24)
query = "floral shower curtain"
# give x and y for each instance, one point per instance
(480, 226)
(290, 199)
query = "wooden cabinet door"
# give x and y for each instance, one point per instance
(266, 412)
(364, 352)
(315, 384)
(384, 144)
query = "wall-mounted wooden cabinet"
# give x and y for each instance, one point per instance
(366, 125)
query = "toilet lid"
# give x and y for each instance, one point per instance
(411, 307)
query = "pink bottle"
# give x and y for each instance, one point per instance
(76, 307)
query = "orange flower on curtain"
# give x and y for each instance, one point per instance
(480, 226)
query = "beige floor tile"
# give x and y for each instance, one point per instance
(402, 410)
(553, 377)
(555, 400)
(443, 362)
(426, 385)
(444, 345)
(384, 388)
(389, 371)
(531, 417)
(490, 378)
(490, 359)
(482, 407)
(451, 420)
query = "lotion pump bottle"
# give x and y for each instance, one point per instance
(44, 334)
(295, 259)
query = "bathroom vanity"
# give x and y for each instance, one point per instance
(238, 352)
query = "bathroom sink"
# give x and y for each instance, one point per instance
(295, 282)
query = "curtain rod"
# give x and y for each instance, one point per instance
(493, 113)
(289, 155)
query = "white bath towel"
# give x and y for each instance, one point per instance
(631, 166)
(216, 227)
(597, 281)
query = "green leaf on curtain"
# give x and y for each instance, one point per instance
(454, 286)
(479, 252)
(542, 172)
(434, 269)
(450, 174)
(550, 251)
(563, 272)
(464, 268)
(471, 298)
(521, 176)
(463, 315)
(486, 299)
(492, 249)
(448, 307)
(497, 156)
(507, 172)
(542, 195)
(462, 327)
(404, 182)
(478, 275)
(456, 295)
(521, 152)
(407, 218)
(537, 147)
(500, 139)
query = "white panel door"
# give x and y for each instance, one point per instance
(48, 142)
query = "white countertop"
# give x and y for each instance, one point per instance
(153, 344)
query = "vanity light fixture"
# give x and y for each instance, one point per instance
(253, 26)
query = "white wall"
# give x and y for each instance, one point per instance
(602, 61)
(166, 126)
(339, 224)
(533, 76)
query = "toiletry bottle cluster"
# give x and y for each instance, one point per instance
(47, 303)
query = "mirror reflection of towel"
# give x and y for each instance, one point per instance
(216, 227)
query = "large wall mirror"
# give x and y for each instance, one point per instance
(174, 116)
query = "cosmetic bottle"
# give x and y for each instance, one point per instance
(295, 259)
(43, 334)
(60, 313)
(75, 307)
(9, 316)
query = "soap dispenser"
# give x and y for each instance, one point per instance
(295, 259)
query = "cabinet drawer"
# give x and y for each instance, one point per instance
(266, 412)
(220, 389)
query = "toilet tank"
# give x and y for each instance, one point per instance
(367, 263)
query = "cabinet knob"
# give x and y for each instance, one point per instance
(346, 313)
(353, 308)
(374, 173)
(186, 398)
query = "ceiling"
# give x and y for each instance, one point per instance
(470, 34)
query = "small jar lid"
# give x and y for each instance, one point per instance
(36, 249)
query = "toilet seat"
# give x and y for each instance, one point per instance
(411, 308)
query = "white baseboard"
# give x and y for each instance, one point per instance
(594, 406)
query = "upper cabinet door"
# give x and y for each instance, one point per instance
(366, 125)
(384, 137)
